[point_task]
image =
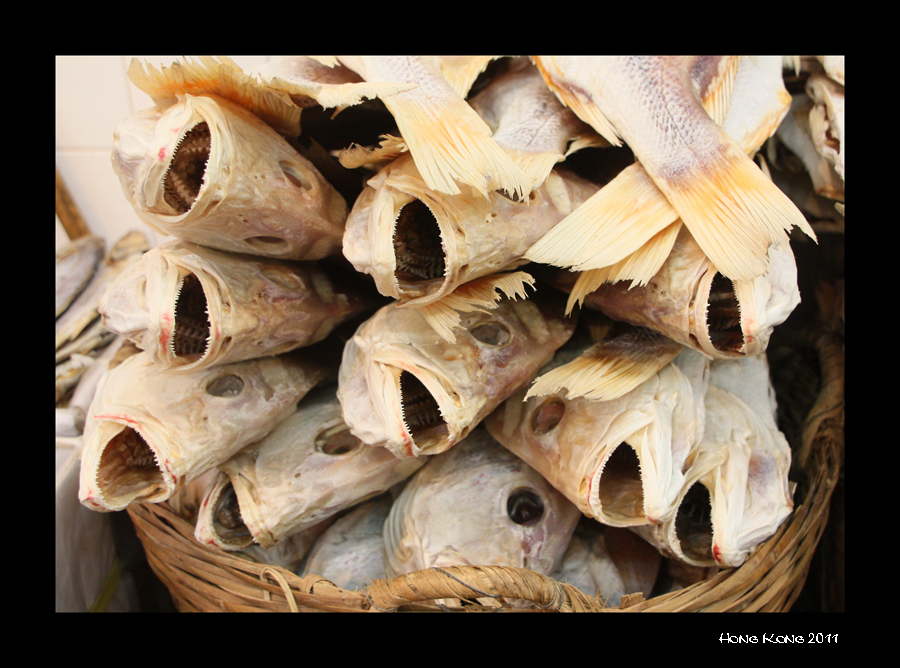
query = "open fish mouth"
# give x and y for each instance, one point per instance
(191, 337)
(419, 253)
(129, 469)
(421, 413)
(620, 490)
(187, 168)
(227, 520)
(693, 525)
(723, 316)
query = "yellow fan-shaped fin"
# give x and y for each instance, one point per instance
(461, 71)
(477, 295)
(389, 149)
(610, 369)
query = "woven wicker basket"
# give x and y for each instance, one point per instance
(204, 579)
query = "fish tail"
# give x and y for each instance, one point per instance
(451, 142)
(644, 263)
(735, 213)
(609, 369)
(613, 223)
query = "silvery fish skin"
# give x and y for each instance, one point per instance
(191, 307)
(210, 172)
(308, 468)
(149, 432)
(419, 244)
(621, 460)
(76, 319)
(401, 385)
(651, 102)
(692, 303)
(350, 553)
(736, 492)
(609, 562)
(478, 504)
(75, 264)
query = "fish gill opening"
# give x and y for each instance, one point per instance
(418, 251)
(723, 315)
(620, 489)
(128, 467)
(227, 520)
(693, 523)
(420, 411)
(184, 178)
(191, 337)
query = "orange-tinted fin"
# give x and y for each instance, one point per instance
(610, 369)
(390, 148)
(477, 295)
(714, 77)
(222, 77)
(461, 71)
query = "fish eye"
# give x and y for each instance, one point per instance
(226, 386)
(336, 441)
(524, 506)
(491, 334)
(547, 416)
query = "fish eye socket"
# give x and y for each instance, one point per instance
(491, 334)
(548, 416)
(525, 507)
(336, 441)
(225, 386)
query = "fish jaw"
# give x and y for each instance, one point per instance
(419, 244)
(210, 172)
(187, 423)
(220, 522)
(460, 381)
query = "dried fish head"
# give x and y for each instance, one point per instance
(403, 385)
(419, 244)
(208, 171)
(309, 468)
(478, 504)
(191, 307)
(149, 432)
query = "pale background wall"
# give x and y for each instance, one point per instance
(93, 95)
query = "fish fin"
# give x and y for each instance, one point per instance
(449, 141)
(388, 150)
(734, 213)
(645, 262)
(477, 295)
(536, 165)
(578, 101)
(585, 284)
(716, 85)
(328, 61)
(610, 369)
(614, 222)
(340, 96)
(221, 77)
(461, 71)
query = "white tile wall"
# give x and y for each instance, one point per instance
(93, 95)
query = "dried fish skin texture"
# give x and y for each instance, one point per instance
(478, 504)
(190, 307)
(309, 468)
(401, 384)
(419, 244)
(210, 172)
(149, 432)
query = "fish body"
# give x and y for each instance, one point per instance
(307, 469)
(402, 385)
(191, 307)
(478, 504)
(652, 103)
(420, 244)
(620, 461)
(208, 171)
(350, 553)
(149, 432)
(75, 265)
